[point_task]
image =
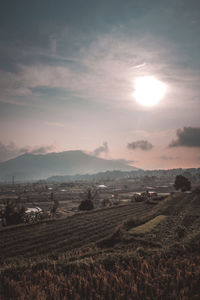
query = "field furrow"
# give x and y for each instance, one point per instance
(66, 233)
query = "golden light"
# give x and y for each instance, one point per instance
(149, 90)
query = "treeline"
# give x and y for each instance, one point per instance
(109, 175)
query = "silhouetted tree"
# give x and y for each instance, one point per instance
(55, 206)
(87, 204)
(182, 183)
(13, 213)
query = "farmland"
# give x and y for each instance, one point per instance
(94, 255)
(66, 233)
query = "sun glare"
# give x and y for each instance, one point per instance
(149, 90)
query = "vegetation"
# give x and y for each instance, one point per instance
(92, 255)
(67, 233)
(148, 226)
(13, 214)
(87, 204)
(111, 276)
(182, 183)
(55, 205)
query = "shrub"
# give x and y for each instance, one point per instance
(86, 205)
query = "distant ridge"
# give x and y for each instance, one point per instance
(33, 167)
(97, 176)
(117, 174)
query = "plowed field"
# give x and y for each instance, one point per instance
(67, 233)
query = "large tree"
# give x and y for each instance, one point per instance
(182, 183)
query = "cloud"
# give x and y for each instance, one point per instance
(42, 150)
(11, 150)
(103, 66)
(187, 137)
(104, 70)
(126, 161)
(164, 157)
(101, 149)
(143, 145)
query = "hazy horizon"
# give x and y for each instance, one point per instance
(69, 74)
(39, 153)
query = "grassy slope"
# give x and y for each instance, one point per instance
(148, 226)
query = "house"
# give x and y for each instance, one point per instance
(33, 210)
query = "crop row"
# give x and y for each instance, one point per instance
(69, 232)
(69, 224)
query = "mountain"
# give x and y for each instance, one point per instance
(31, 166)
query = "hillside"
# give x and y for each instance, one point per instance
(33, 167)
(97, 255)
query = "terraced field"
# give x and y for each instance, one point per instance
(86, 257)
(67, 233)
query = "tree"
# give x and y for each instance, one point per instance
(55, 204)
(182, 183)
(13, 213)
(87, 204)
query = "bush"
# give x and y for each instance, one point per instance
(86, 205)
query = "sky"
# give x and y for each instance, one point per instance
(67, 79)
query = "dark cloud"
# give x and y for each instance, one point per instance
(143, 145)
(187, 137)
(101, 149)
(11, 150)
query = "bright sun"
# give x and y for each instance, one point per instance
(149, 90)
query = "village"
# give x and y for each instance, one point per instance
(43, 201)
(46, 199)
